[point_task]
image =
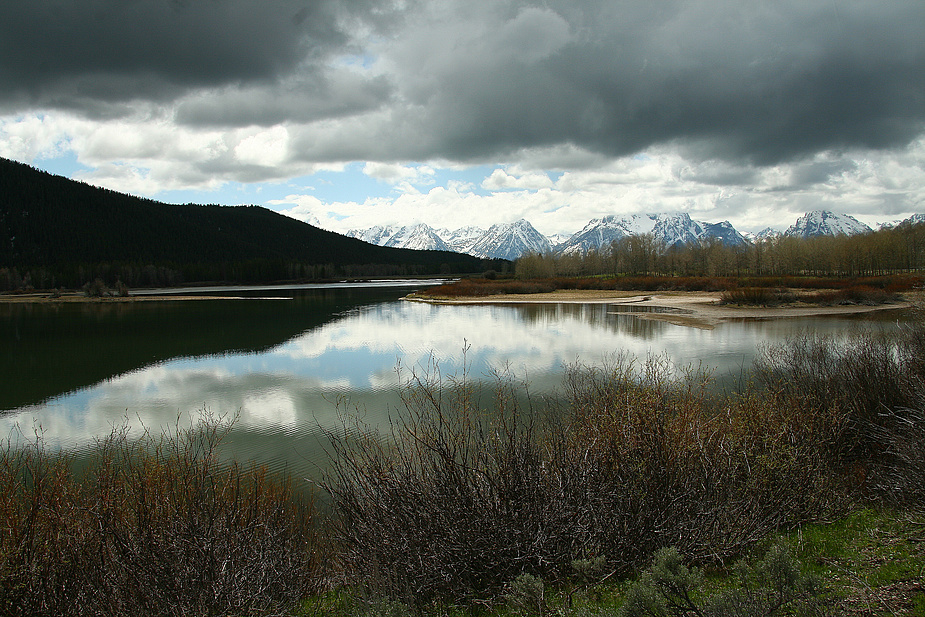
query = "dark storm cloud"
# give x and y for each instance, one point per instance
(757, 82)
(68, 53)
(743, 81)
(817, 172)
(324, 96)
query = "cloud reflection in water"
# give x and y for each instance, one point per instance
(282, 394)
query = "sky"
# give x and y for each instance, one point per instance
(354, 113)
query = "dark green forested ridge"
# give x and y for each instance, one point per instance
(59, 232)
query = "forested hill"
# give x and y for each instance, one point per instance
(57, 232)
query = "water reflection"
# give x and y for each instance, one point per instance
(325, 356)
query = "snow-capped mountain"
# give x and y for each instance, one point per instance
(724, 232)
(461, 240)
(601, 232)
(676, 229)
(377, 235)
(420, 237)
(505, 241)
(825, 223)
(767, 233)
(557, 239)
(510, 241)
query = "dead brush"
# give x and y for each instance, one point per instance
(152, 527)
(757, 296)
(677, 467)
(898, 478)
(863, 376)
(455, 503)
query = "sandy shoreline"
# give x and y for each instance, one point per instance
(686, 308)
(693, 309)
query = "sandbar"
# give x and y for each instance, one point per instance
(694, 309)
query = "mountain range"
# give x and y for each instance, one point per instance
(511, 240)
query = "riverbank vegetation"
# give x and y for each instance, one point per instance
(151, 526)
(892, 250)
(535, 507)
(758, 290)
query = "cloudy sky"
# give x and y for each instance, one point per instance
(351, 113)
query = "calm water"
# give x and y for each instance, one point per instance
(292, 362)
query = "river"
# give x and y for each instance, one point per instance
(288, 364)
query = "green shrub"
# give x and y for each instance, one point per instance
(771, 586)
(525, 595)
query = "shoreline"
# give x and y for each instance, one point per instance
(47, 298)
(218, 292)
(684, 308)
(693, 309)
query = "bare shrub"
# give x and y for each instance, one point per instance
(153, 527)
(44, 532)
(96, 289)
(671, 466)
(864, 377)
(757, 296)
(856, 294)
(456, 503)
(899, 476)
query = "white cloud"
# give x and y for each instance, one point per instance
(500, 179)
(395, 174)
(26, 138)
(266, 148)
(871, 187)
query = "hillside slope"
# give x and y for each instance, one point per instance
(55, 228)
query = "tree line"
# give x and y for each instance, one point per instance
(55, 232)
(891, 250)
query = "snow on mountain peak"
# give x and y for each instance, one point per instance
(511, 240)
(825, 223)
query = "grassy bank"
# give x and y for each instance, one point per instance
(531, 508)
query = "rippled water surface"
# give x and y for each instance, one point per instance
(290, 363)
